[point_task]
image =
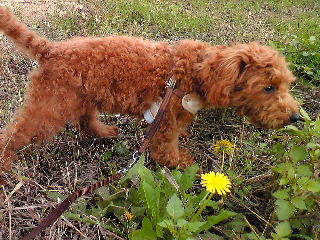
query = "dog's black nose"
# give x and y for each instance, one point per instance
(295, 118)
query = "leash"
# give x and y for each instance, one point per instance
(63, 206)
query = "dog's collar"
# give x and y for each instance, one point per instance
(191, 102)
(178, 92)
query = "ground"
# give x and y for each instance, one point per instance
(72, 161)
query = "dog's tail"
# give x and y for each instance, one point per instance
(33, 44)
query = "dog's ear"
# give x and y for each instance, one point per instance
(221, 72)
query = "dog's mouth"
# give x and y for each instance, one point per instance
(274, 120)
(276, 123)
(270, 125)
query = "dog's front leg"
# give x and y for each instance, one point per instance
(165, 144)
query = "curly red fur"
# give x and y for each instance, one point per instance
(81, 77)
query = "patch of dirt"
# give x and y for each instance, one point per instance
(33, 10)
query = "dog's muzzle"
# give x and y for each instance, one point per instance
(295, 118)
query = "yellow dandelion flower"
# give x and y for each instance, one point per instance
(223, 146)
(216, 182)
(128, 216)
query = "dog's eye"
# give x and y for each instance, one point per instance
(269, 89)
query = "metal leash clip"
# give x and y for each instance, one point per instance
(135, 157)
(171, 83)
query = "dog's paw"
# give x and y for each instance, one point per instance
(186, 158)
(109, 131)
(115, 130)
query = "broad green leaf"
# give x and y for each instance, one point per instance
(283, 181)
(56, 196)
(145, 233)
(284, 168)
(283, 229)
(103, 192)
(96, 212)
(134, 171)
(194, 226)
(316, 154)
(298, 202)
(313, 186)
(181, 223)
(121, 148)
(138, 211)
(73, 216)
(279, 149)
(188, 177)
(304, 114)
(294, 128)
(298, 153)
(177, 174)
(162, 224)
(304, 170)
(298, 224)
(290, 171)
(167, 223)
(309, 184)
(213, 220)
(284, 209)
(280, 168)
(303, 182)
(152, 198)
(194, 202)
(146, 176)
(236, 223)
(146, 224)
(174, 207)
(106, 156)
(281, 194)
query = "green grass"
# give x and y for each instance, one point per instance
(213, 21)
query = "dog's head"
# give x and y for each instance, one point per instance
(252, 78)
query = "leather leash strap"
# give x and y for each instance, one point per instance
(62, 207)
(156, 123)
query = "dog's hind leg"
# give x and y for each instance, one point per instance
(46, 111)
(90, 124)
(32, 123)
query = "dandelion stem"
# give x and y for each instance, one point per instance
(222, 163)
(200, 210)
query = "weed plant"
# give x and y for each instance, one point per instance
(303, 53)
(174, 205)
